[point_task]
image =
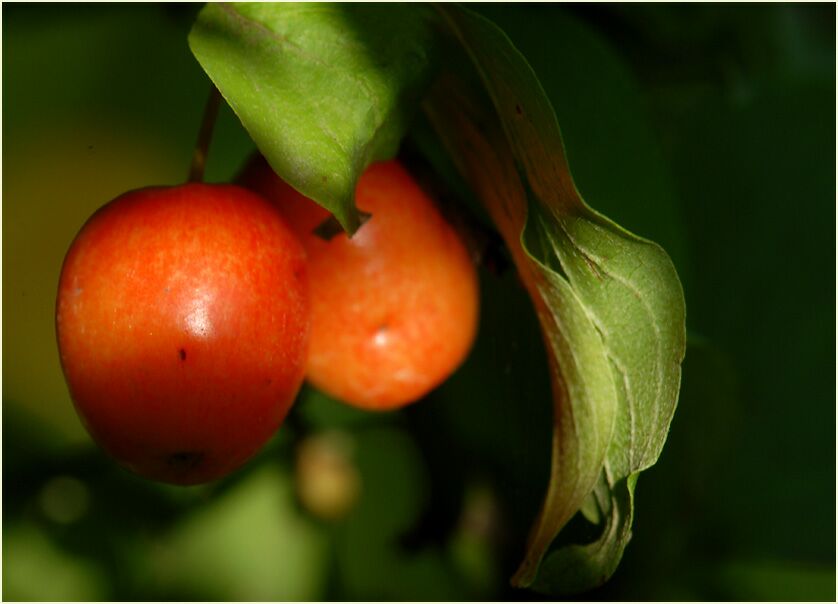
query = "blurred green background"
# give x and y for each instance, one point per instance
(709, 128)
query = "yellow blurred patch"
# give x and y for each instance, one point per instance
(52, 182)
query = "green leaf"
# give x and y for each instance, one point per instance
(575, 568)
(610, 303)
(323, 89)
(615, 154)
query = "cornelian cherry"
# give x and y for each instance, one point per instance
(395, 307)
(183, 322)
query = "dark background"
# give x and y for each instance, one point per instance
(708, 128)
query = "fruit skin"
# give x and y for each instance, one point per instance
(394, 308)
(183, 318)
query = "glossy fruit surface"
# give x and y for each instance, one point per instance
(394, 308)
(183, 320)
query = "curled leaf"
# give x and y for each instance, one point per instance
(610, 303)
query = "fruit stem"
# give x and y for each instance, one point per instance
(199, 158)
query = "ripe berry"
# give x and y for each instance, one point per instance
(395, 307)
(183, 321)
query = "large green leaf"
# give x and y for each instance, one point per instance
(610, 304)
(323, 89)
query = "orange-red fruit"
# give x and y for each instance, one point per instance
(183, 320)
(394, 308)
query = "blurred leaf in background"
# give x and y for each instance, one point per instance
(707, 128)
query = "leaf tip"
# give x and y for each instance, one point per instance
(525, 575)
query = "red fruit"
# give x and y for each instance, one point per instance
(394, 308)
(183, 320)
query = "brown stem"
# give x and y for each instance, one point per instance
(199, 158)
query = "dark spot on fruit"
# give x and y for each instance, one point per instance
(185, 460)
(182, 354)
(518, 110)
(268, 381)
(324, 179)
